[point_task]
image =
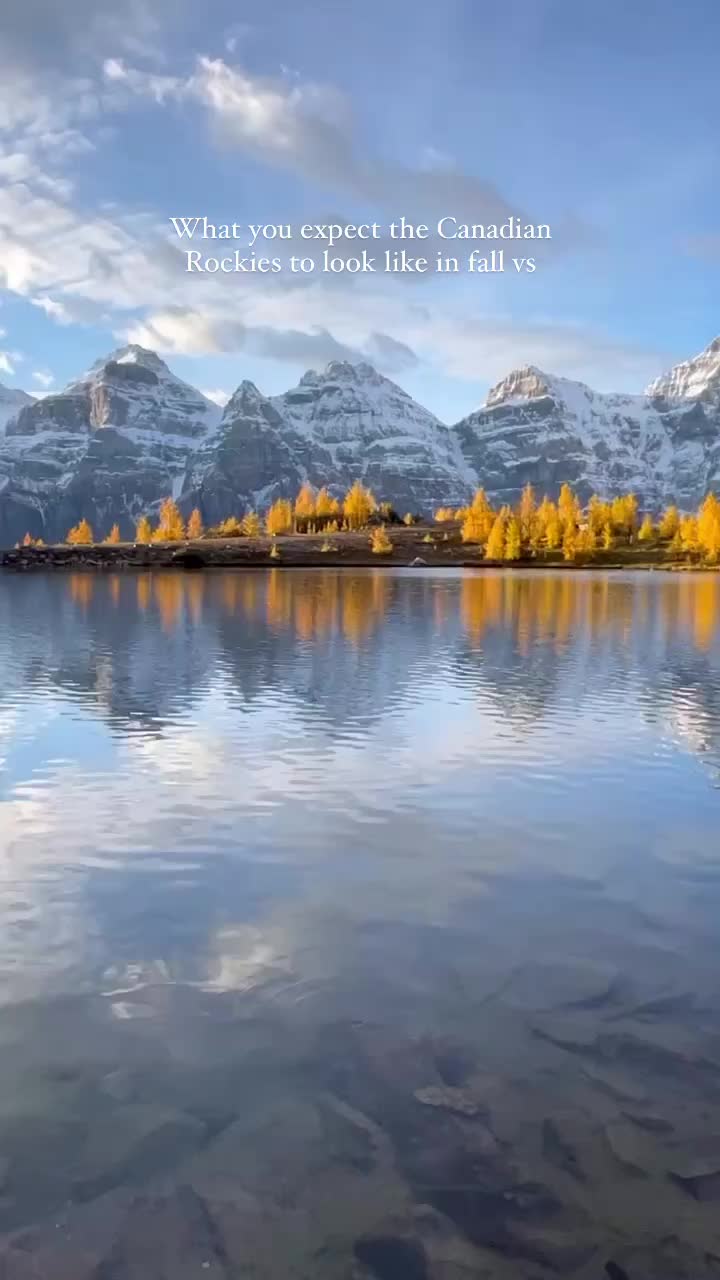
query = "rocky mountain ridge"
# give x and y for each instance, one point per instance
(117, 440)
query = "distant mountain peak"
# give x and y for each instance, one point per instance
(694, 379)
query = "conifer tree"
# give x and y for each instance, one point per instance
(170, 524)
(553, 528)
(230, 528)
(527, 510)
(358, 506)
(143, 530)
(443, 515)
(708, 525)
(689, 540)
(326, 507)
(647, 530)
(379, 541)
(495, 549)
(251, 526)
(81, 534)
(568, 507)
(570, 540)
(670, 522)
(195, 527)
(305, 507)
(279, 518)
(114, 535)
(28, 540)
(608, 536)
(513, 539)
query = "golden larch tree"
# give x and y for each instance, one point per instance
(171, 527)
(279, 518)
(195, 528)
(495, 549)
(251, 525)
(143, 530)
(81, 534)
(513, 539)
(114, 535)
(647, 529)
(358, 505)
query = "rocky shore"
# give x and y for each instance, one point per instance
(417, 546)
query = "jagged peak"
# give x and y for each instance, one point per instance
(695, 379)
(343, 371)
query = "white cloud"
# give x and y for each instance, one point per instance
(6, 364)
(43, 377)
(217, 395)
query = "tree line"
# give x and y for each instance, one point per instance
(533, 528)
(527, 530)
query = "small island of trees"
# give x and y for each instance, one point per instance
(531, 531)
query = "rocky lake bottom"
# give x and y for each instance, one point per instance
(359, 925)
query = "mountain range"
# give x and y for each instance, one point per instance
(119, 439)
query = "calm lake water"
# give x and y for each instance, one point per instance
(360, 925)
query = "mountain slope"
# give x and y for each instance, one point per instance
(663, 445)
(108, 447)
(12, 400)
(127, 433)
(354, 424)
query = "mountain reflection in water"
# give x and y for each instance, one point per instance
(359, 924)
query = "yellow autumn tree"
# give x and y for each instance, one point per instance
(527, 508)
(170, 524)
(495, 548)
(305, 507)
(608, 534)
(326, 507)
(143, 530)
(279, 518)
(598, 514)
(195, 528)
(81, 534)
(251, 525)
(586, 542)
(669, 522)
(513, 539)
(688, 534)
(647, 530)
(570, 540)
(358, 505)
(379, 541)
(29, 541)
(708, 524)
(443, 515)
(230, 528)
(114, 535)
(568, 507)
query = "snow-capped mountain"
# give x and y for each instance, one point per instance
(12, 400)
(108, 447)
(119, 439)
(663, 445)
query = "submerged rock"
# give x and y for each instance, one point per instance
(131, 1144)
(577, 984)
(614, 1082)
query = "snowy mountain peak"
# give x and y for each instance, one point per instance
(695, 379)
(130, 355)
(526, 383)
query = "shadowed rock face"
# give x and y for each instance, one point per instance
(128, 433)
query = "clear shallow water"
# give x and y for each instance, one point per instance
(359, 924)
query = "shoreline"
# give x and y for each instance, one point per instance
(304, 551)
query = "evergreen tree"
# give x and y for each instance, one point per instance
(114, 535)
(195, 527)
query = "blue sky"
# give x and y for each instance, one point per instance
(599, 119)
